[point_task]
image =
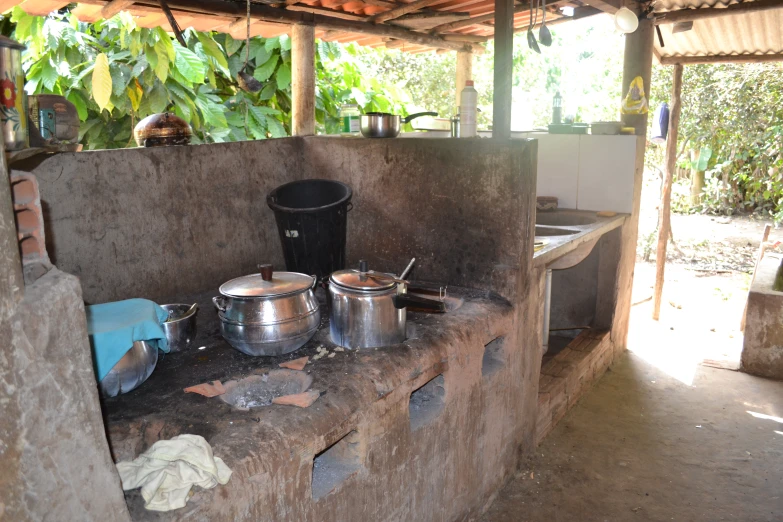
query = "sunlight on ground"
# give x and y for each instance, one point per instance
(765, 416)
(700, 317)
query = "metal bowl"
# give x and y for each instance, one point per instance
(133, 369)
(180, 329)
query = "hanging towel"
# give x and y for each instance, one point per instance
(166, 472)
(114, 327)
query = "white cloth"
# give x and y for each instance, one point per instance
(166, 472)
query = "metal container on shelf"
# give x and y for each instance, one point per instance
(13, 98)
(270, 313)
(131, 371)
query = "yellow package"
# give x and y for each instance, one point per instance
(635, 101)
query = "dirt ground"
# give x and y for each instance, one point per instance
(665, 434)
(644, 446)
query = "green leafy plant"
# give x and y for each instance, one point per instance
(116, 73)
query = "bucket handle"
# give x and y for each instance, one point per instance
(219, 303)
(349, 207)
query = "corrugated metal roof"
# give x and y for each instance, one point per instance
(759, 33)
(752, 33)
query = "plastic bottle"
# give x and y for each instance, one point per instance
(557, 108)
(468, 103)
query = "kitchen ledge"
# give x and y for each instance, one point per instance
(261, 444)
(560, 245)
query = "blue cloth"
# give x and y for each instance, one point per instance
(114, 327)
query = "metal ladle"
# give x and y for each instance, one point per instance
(544, 36)
(531, 38)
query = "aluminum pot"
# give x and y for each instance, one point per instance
(180, 329)
(131, 371)
(270, 313)
(385, 125)
(369, 309)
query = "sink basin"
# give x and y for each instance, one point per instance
(563, 219)
(549, 231)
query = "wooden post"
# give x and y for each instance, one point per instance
(637, 62)
(504, 69)
(664, 223)
(464, 72)
(303, 80)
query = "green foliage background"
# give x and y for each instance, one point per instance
(151, 72)
(732, 111)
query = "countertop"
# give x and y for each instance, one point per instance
(560, 245)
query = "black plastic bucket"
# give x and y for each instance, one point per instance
(311, 217)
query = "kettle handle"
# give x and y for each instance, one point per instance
(219, 303)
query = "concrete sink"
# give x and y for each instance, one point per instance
(564, 218)
(552, 231)
(571, 234)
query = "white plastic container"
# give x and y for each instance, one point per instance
(468, 102)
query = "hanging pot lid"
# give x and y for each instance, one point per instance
(267, 284)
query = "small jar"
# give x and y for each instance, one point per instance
(350, 119)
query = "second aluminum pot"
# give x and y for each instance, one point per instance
(364, 313)
(271, 313)
(385, 125)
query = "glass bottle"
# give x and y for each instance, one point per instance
(349, 119)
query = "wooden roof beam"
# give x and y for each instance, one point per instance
(114, 7)
(692, 15)
(285, 16)
(485, 18)
(401, 10)
(607, 6)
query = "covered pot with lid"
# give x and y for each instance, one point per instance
(269, 313)
(363, 312)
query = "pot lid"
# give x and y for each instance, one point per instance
(356, 280)
(257, 285)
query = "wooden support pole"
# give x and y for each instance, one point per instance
(464, 72)
(504, 69)
(664, 222)
(638, 62)
(303, 80)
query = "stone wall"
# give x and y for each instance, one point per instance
(162, 221)
(181, 220)
(53, 452)
(762, 348)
